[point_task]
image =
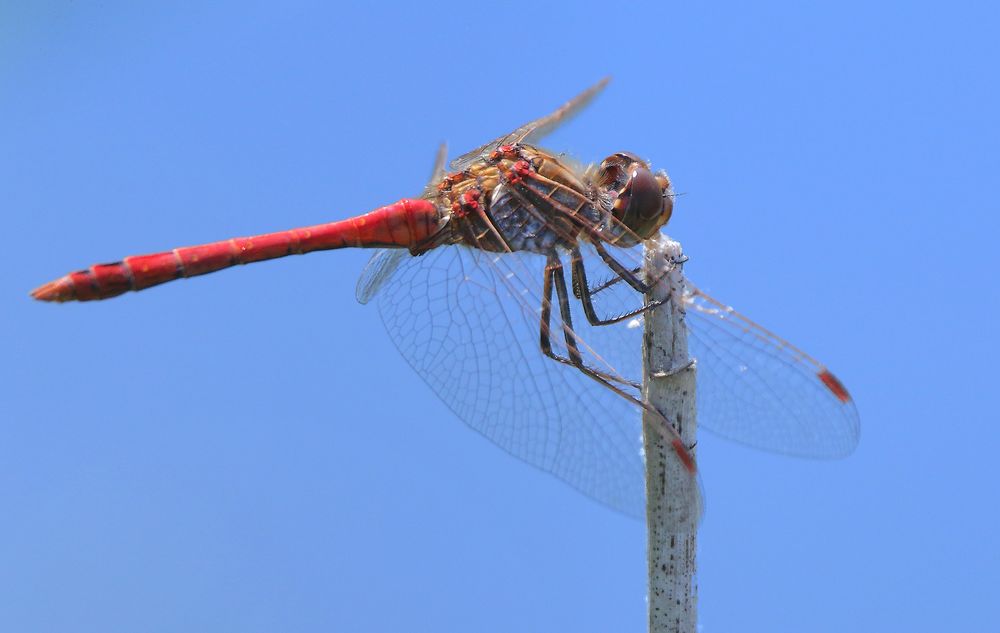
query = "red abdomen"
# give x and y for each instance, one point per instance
(405, 224)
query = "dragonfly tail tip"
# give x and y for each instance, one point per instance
(58, 291)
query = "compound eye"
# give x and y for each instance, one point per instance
(640, 203)
(641, 196)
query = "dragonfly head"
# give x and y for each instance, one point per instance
(639, 200)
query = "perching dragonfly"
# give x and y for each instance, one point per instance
(513, 286)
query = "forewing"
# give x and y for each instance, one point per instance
(757, 389)
(536, 130)
(753, 387)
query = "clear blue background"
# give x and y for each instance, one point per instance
(247, 452)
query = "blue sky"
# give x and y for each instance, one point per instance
(247, 451)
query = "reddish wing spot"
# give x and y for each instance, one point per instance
(834, 385)
(684, 455)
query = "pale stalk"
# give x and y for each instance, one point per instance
(669, 386)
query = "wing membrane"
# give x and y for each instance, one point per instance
(757, 389)
(535, 130)
(460, 318)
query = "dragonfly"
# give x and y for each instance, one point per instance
(514, 286)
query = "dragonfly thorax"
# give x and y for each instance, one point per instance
(518, 198)
(521, 197)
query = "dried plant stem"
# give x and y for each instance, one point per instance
(669, 386)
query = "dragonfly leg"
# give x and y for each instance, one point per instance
(673, 371)
(617, 279)
(604, 286)
(584, 293)
(553, 268)
(555, 279)
(627, 275)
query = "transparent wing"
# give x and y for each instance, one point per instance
(467, 322)
(536, 130)
(753, 387)
(380, 268)
(757, 389)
